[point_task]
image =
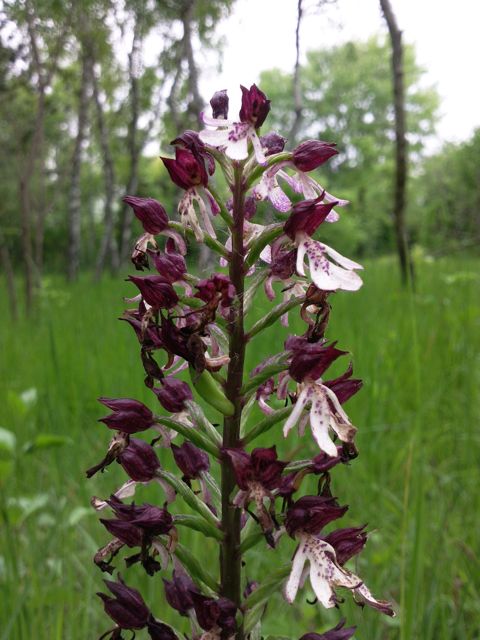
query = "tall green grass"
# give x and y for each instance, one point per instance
(415, 482)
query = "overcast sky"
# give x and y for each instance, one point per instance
(261, 35)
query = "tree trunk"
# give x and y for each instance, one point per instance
(108, 246)
(133, 147)
(297, 89)
(406, 265)
(195, 105)
(9, 277)
(74, 200)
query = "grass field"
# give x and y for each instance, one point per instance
(416, 481)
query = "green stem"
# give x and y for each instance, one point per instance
(230, 556)
(223, 211)
(213, 244)
(274, 314)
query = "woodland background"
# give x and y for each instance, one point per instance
(85, 111)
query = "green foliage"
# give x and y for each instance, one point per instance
(417, 486)
(445, 208)
(347, 99)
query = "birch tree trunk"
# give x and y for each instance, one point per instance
(108, 246)
(74, 199)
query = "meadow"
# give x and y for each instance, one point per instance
(415, 482)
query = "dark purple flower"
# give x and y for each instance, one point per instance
(173, 394)
(311, 513)
(171, 266)
(148, 336)
(347, 542)
(255, 106)
(219, 104)
(272, 143)
(217, 287)
(344, 387)
(187, 170)
(307, 216)
(156, 291)
(160, 631)
(190, 140)
(129, 416)
(127, 609)
(213, 613)
(147, 517)
(178, 592)
(323, 462)
(190, 460)
(181, 343)
(310, 360)
(261, 466)
(312, 153)
(150, 213)
(139, 460)
(337, 633)
(126, 532)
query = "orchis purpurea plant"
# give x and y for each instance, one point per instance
(194, 335)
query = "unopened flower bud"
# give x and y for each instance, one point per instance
(312, 153)
(307, 216)
(150, 213)
(272, 143)
(139, 460)
(129, 416)
(127, 608)
(255, 106)
(156, 291)
(219, 104)
(190, 460)
(173, 394)
(187, 170)
(337, 633)
(178, 592)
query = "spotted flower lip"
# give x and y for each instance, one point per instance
(325, 413)
(150, 213)
(339, 632)
(310, 154)
(326, 574)
(326, 275)
(129, 416)
(310, 514)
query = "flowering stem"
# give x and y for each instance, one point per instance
(230, 557)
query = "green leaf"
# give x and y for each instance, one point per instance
(198, 524)
(190, 498)
(266, 424)
(274, 315)
(197, 415)
(46, 441)
(195, 568)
